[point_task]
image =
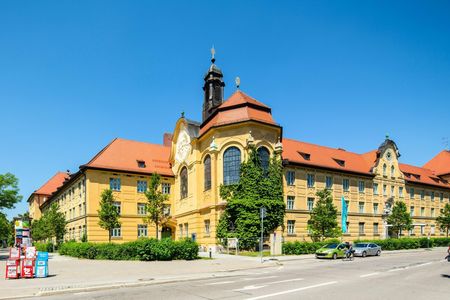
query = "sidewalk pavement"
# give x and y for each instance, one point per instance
(68, 274)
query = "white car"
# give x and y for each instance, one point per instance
(365, 249)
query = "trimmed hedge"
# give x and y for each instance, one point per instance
(142, 249)
(297, 248)
(44, 247)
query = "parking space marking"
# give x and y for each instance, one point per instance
(370, 274)
(293, 290)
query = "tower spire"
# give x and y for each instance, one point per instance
(213, 88)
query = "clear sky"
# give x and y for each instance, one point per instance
(76, 74)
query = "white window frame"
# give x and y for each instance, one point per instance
(141, 211)
(165, 188)
(310, 203)
(142, 230)
(116, 232)
(290, 227)
(290, 202)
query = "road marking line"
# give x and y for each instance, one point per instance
(250, 287)
(220, 282)
(399, 269)
(259, 278)
(421, 265)
(293, 291)
(370, 274)
(283, 281)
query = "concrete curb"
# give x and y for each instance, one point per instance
(219, 274)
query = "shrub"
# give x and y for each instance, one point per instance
(297, 248)
(142, 249)
(44, 247)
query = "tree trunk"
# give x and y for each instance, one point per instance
(157, 236)
(447, 232)
(109, 235)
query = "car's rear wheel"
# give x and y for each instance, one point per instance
(378, 253)
(334, 256)
(364, 254)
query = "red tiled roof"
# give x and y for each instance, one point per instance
(124, 155)
(422, 175)
(325, 157)
(440, 163)
(52, 184)
(239, 108)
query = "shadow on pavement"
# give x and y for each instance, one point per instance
(445, 275)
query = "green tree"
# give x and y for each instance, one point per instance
(399, 219)
(444, 219)
(323, 221)
(156, 204)
(256, 188)
(108, 214)
(39, 230)
(55, 222)
(9, 191)
(5, 228)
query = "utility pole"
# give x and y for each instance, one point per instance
(262, 213)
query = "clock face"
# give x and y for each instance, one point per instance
(388, 155)
(183, 146)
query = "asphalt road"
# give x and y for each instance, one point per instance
(423, 275)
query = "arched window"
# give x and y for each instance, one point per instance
(264, 157)
(384, 170)
(392, 171)
(183, 183)
(231, 165)
(207, 172)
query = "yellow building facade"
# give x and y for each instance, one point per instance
(199, 157)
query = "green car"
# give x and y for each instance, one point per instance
(332, 250)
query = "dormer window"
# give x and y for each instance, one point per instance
(340, 162)
(306, 156)
(141, 163)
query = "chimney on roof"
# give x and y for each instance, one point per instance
(167, 139)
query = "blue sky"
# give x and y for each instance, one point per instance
(76, 74)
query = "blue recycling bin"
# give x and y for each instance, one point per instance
(41, 264)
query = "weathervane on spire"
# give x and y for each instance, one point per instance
(213, 52)
(238, 82)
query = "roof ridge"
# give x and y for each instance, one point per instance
(327, 147)
(50, 179)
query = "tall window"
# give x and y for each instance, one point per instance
(290, 177)
(165, 186)
(384, 190)
(141, 209)
(183, 183)
(411, 193)
(375, 188)
(290, 202)
(375, 208)
(392, 171)
(411, 211)
(264, 157)
(432, 196)
(361, 207)
(400, 191)
(422, 194)
(117, 206)
(141, 186)
(361, 186)
(207, 227)
(186, 229)
(207, 172)
(142, 230)
(441, 197)
(310, 180)
(114, 184)
(116, 232)
(361, 228)
(375, 228)
(310, 204)
(329, 182)
(346, 184)
(384, 170)
(291, 227)
(231, 165)
(422, 211)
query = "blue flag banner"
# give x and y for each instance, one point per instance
(344, 214)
